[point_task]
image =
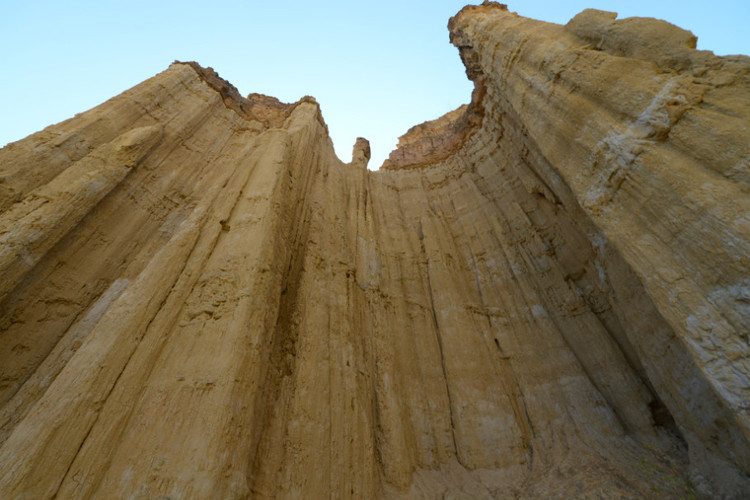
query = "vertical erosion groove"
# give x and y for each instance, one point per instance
(439, 339)
(542, 293)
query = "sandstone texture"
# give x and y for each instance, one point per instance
(543, 294)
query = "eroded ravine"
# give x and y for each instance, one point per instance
(541, 294)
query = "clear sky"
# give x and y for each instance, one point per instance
(376, 67)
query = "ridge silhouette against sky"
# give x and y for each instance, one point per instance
(376, 67)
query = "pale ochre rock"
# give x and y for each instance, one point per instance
(543, 295)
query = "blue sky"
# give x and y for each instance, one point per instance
(376, 67)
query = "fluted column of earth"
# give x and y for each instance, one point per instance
(541, 294)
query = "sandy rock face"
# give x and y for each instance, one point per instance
(543, 295)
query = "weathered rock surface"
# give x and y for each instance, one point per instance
(544, 294)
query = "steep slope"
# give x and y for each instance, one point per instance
(542, 294)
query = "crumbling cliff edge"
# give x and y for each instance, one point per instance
(543, 294)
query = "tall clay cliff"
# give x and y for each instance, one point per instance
(543, 294)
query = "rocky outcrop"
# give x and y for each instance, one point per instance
(543, 294)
